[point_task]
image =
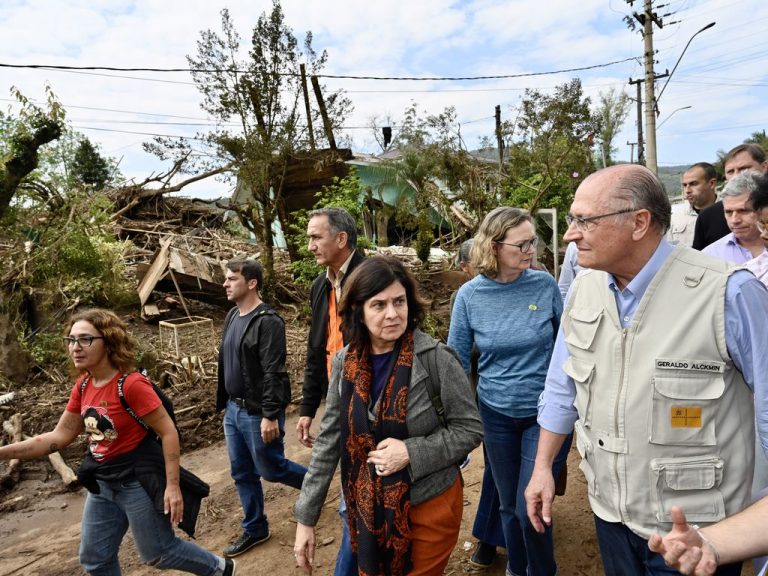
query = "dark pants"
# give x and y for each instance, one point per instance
(624, 553)
(511, 444)
(250, 460)
(487, 527)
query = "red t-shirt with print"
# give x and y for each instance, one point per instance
(111, 430)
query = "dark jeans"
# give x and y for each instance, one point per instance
(624, 553)
(346, 561)
(487, 527)
(250, 459)
(511, 445)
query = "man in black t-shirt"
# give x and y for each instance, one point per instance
(255, 390)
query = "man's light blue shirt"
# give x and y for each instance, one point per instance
(746, 336)
(729, 249)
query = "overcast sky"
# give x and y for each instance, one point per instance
(723, 76)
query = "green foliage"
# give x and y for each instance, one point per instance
(342, 193)
(59, 246)
(261, 95)
(23, 137)
(612, 111)
(759, 137)
(45, 348)
(434, 326)
(549, 148)
(89, 168)
(59, 257)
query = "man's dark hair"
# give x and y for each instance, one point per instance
(249, 268)
(754, 150)
(339, 220)
(759, 196)
(369, 278)
(709, 170)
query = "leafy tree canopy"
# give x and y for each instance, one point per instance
(261, 94)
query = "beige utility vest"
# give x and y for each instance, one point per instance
(664, 417)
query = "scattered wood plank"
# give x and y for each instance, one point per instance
(14, 429)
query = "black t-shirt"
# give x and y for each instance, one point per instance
(710, 226)
(230, 350)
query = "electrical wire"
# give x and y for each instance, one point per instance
(335, 76)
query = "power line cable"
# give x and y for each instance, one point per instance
(111, 110)
(334, 76)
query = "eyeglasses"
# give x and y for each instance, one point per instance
(590, 223)
(523, 246)
(84, 341)
(761, 226)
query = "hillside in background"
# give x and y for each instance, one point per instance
(670, 177)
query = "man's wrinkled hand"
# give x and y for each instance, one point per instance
(302, 431)
(539, 495)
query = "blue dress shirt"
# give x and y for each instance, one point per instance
(746, 337)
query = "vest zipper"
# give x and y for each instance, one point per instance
(616, 424)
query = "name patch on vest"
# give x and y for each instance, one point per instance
(693, 365)
(686, 416)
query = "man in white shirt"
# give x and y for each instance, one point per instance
(699, 184)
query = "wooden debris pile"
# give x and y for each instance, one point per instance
(180, 246)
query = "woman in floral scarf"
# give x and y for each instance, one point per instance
(399, 463)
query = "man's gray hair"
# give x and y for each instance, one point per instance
(339, 220)
(464, 250)
(644, 191)
(743, 183)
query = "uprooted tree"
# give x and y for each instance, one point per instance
(58, 244)
(262, 96)
(23, 138)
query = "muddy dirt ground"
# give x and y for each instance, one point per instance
(40, 520)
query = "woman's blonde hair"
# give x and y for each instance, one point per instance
(117, 340)
(493, 229)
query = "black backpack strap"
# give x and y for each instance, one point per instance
(126, 407)
(429, 359)
(83, 384)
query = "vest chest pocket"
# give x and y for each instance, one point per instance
(581, 372)
(691, 483)
(581, 327)
(684, 409)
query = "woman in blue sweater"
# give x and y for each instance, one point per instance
(512, 314)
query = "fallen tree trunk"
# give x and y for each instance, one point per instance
(65, 472)
(11, 476)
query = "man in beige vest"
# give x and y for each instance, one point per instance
(699, 186)
(658, 352)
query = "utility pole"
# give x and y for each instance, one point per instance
(499, 139)
(648, 18)
(303, 69)
(631, 151)
(639, 100)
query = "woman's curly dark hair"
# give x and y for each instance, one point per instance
(370, 277)
(119, 343)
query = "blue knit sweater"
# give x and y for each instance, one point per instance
(514, 326)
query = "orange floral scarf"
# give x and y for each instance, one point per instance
(377, 507)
